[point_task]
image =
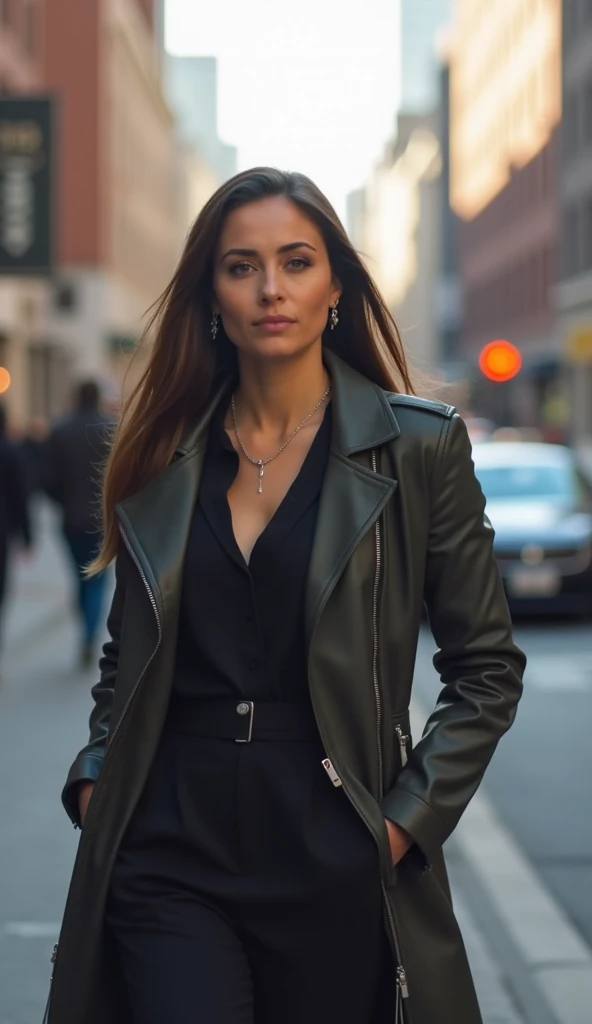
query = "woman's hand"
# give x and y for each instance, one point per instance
(400, 841)
(85, 791)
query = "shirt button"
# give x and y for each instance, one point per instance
(253, 664)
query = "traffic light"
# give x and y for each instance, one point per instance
(500, 360)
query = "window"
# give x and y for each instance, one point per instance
(587, 113)
(587, 235)
(570, 20)
(571, 123)
(571, 242)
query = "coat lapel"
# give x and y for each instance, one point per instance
(157, 519)
(352, 496)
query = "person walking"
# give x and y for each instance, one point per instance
(261, 838)
(15, 519)
(74, 455)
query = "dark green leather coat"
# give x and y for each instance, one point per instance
(401, 521)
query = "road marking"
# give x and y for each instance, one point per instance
(32, 929)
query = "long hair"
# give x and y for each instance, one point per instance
(185, 364)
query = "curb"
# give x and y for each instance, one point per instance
(546, 959)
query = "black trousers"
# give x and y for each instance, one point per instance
(247, 891)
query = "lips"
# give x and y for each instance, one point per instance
(271, 320)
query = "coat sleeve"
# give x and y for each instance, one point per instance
(479, 665)
(88, 763)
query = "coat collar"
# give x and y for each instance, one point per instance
(362, 415)
(156, 521)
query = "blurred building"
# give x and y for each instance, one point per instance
(204, 161)
(116, 201)
(506, 107)
(575, 288)
(399, 233)
(421, 21)
(397, 221)
(192, 90)
(448, 297)
(355, 216)
(22, 300)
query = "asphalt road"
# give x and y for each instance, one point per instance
(540, 777)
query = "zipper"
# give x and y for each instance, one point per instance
(375, 681)
(403, 740)
(54, 956)
(402, 986)
(328, 766)
(158, 642)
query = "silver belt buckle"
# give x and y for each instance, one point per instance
(246, 707)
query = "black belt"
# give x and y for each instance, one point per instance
(242, 720)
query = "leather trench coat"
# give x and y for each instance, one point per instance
(401, 522)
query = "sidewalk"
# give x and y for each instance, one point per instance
(39, 587)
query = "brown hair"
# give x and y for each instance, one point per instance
(185, 364)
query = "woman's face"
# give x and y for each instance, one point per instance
(273, 284)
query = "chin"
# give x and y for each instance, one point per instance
(275, 348)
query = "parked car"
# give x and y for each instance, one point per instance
(540, 506)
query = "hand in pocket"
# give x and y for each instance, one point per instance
(400, 841)
(85, 791)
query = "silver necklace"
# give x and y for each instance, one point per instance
(262, 463)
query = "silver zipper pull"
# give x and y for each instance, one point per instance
(54, 954)
(331, 772)
(402, 982)
(402, 744)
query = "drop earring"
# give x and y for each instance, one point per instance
(334, 317)
(214, 325)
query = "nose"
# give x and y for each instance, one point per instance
(270, 286)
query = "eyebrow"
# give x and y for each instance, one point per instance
(282, 249)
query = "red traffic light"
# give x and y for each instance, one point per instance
(500, 360)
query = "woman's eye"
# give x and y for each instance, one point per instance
(298, 263)
(239, 269)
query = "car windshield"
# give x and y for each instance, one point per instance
(527, 482)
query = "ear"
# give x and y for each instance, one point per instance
(336, 291)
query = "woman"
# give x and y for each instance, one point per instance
(260, 842)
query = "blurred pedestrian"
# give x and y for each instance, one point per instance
(74, 457)
(261, 843)
(15, 521)
(32, 444)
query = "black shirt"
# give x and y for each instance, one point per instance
(241, 628)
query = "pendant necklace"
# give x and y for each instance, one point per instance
(262, 463)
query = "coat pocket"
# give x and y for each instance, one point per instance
(402, 737)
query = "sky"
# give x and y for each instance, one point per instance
(309, 86)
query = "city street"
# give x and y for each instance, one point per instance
(538, 785)
(540, 777)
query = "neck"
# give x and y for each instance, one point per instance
(275, 396)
